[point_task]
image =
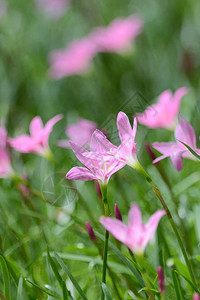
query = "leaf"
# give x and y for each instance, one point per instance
(176, 285)
(106, 291)
(39, 287)
(6, 277)
(73, 280)
(65, 291)
(54, 268)
(124, 259)
(191, 150)
(20, 289)
(190, 283)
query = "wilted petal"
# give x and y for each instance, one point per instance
(80, 173)
(116, 228)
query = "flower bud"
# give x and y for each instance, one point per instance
(118, 215)
(196, 296)
(91, 232)
(160, 279)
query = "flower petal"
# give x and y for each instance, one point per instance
(24, 144)
(124, 127)
(80, 173)
(134, 216)
(99, 142)
(116, 228)
(48, 128)
(36, 127)
(185, 133)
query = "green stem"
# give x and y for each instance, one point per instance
(173, 225)
(106, 212)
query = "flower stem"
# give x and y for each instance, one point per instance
(173, 225)
(106, 212)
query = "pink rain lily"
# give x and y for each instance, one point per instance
(73, 60)
(164, 113)
(5, 165)
(184, 132)
(53, 8)
(80, 133)
(100, 165)
(126, 152)
(37, 141)
(135, 235)
(117, 37)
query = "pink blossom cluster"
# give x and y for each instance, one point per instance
(77, 57)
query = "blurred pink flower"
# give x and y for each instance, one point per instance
(54, 8)
(5, 165)
(164, 113)
(161, 279)
(184, 132)
(136, 235)
(37, 141)
(126, 152)
(79, 133)
(3, 134)
(119, 34)
(100, 165)
(196, 296)
(73, 60)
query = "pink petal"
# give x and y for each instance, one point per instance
(80, 173)
(5, 167)
(99, 143)
(177, 160)
(167, 149)
(124, 127)
(152, 225)
(134, 216)
(36, 126)
(165, 97)
(48, 128)
(24, 144)
(178, 95)
(185, 133)
(63, 144)
(116, 228)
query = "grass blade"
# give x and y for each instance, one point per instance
(39, 287)
(191, 150)
(65, 291)
(176, 285)
(106, 292)
(20, 289)
(73, 280)
(186, 279)
(6, 277)
(54, 268)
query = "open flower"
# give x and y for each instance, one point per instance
(99, 164)
(164, 113)
(184, 132)
(53, 8)
(79, 133)
(37, 141)
(73, 60)
(135, 235)
(117, 37)
(126, 152)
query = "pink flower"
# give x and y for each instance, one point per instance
(79, 133)
(100, 165)
(161, 279)
(117, 37)
(73, 60)
(5, 165)
(164, 113)
(136, 235)
(176, 150)
(3, 134)
(126, 152)
(54, 8)
(196, 296)
(37, 141)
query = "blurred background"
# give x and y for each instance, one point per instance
(165, 55)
